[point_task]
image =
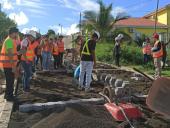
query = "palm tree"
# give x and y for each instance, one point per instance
(101, 21)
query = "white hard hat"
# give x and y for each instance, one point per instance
(120, 36)
(32, 33)
(97, 33)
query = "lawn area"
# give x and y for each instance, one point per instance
(150, 70)
(131, 57)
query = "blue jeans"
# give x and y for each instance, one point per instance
(27, 66)
(86, 67)
(46, 60)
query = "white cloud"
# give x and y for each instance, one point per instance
(65, 30)
(18, 2)
(7, 5)
(20, 18)
(78, 5)
(118, 10)
(25, 30)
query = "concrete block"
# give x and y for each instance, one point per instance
(118, 83)
(112, 81)
(50, 105)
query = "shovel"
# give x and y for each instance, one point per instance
(158, 98)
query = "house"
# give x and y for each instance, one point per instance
(163, 16)
(135, 27)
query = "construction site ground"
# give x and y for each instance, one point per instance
(53, 87)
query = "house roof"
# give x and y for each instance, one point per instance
(159, 10)
(138, 22)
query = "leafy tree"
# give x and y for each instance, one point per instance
(5, 24)
(51, 32)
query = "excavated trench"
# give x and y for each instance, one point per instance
(53, 87)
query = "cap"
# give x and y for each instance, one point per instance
(13, 30)
(156, 36)
(31, 33)
(120, 36)
(97, 33)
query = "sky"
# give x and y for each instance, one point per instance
(41, 15)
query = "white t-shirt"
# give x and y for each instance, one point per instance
(24, 43)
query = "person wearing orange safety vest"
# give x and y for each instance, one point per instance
(46, 52)
(56, 54)
(8, 62)
(27, 58)
(61, 50)
(38, 52)
(146, 50)
(157, 53)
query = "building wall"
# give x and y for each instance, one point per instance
(162, 17)
(147, 31)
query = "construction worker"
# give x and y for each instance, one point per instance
(146, 50)
(56, 54)
(46, 53)
(38, 52)
(157, 53)
(27, 59)
(61, 50)
(8, 62)
(88, 61)
(117, 49)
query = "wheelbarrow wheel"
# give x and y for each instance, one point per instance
(108, 92)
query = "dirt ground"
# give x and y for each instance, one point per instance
(51, 87)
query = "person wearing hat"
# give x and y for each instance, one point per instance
(146, 49)
(8, 61)
(88, 61)
(117, 49)
(157, 53)
(28, 54)
(60, 44)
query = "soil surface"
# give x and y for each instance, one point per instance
(52, 87)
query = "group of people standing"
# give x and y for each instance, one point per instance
(27, 53)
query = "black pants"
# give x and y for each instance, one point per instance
(56, 61)
(61, 58)
(117, 58)
(164, 61)
(39, 57)
(9, 75)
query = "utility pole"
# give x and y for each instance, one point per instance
(80, 24)
(61, 28)
(0, 7)
(156, 15)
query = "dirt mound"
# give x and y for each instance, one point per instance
(78, 116)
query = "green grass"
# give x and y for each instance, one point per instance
(131, 57)
(150, 70)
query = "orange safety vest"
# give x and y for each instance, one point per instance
(148, 49)
(29, 53)
(46, 46)
(5, 61)
(61, 46)
(39, 49)
(144, 50)
(158, 53)
(56, 50)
